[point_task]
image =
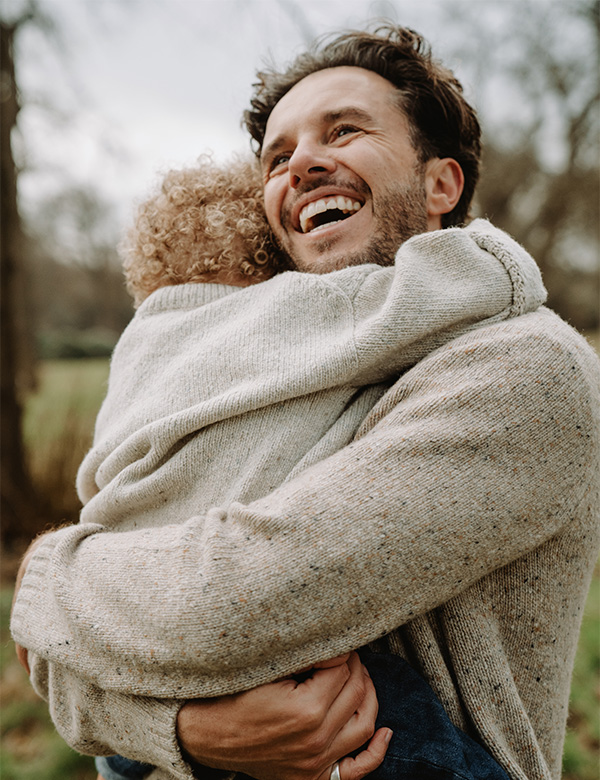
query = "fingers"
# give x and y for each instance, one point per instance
(357, 695)
(288, 729)
(325, 685)
(337, 661)
(338, 712)
(350, 721)
(327, 664)
(23, 657)
(367, 760)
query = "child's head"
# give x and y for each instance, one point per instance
(206, 224)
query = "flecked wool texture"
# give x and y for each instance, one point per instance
(458, 529)
(265, 379)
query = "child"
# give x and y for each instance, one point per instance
(220, 394)
(204, 225)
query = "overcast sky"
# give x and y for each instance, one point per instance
(126, 88)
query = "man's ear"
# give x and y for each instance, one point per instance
(444, 182)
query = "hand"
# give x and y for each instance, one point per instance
(287, 730)
(21, 651)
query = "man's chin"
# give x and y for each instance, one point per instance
(325, 263)
(396, 216)
(327, 256)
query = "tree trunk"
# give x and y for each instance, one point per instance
(18, 502)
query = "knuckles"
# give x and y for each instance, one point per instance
(316, 744)
(358, 690)
(313, 716)
(367, 729)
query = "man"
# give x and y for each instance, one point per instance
(461, 525)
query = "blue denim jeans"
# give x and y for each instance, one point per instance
(425, 744)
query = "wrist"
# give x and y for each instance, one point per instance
(187, 746)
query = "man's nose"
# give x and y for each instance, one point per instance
(309, 160)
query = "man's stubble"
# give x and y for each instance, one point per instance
(398, 214)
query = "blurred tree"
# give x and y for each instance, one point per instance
(37, 283)
(541, 169)
(18, 501)
(78, 282)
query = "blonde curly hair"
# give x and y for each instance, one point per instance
(205, 224)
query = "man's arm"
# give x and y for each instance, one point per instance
(283, 730)
(287, 730)
(464, 472)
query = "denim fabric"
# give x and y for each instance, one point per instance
(119, 768)
(425, 746)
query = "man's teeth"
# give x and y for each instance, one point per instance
(345, 205)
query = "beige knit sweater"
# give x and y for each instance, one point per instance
(462, 524)
(220, 394)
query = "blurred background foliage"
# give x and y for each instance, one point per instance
(532, 70)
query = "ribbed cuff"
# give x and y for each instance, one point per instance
(153, 732)
(31, 616)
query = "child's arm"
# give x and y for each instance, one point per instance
(443, 284)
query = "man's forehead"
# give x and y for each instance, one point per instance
(329, 95)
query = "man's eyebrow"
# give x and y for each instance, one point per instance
(351, 113)
(269, 151)
(348, 112)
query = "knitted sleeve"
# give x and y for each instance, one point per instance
(444, 283)
(194, 358)
(475, 457)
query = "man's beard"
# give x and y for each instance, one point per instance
(399, 214)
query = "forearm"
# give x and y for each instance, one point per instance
(282, 730)
(443, 284)
(97, 722)
(463, 474)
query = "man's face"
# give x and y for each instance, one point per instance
(342, 181)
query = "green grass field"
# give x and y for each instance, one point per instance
(30, 747)
(58, 427)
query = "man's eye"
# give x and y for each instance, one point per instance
(281, 159)
(344, 130)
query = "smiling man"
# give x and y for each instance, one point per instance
(343, 182)
(458, 530)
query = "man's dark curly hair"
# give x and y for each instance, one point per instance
(442, 123)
